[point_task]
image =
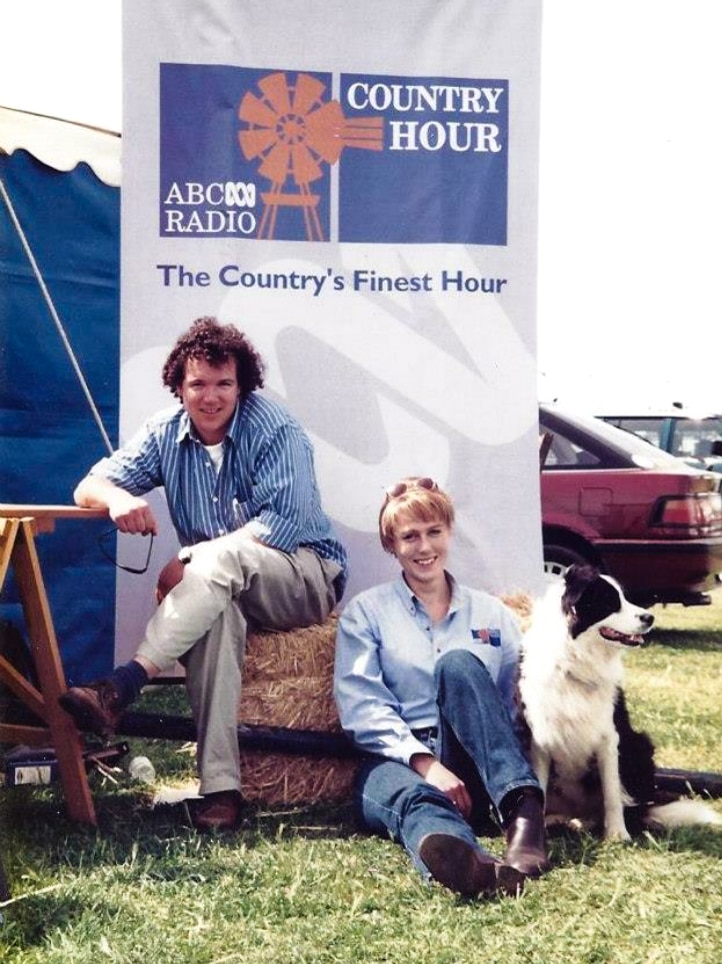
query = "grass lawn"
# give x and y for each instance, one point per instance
(301, 885)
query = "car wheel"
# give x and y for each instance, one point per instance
(557, 559)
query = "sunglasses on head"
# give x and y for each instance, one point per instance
(394, 491)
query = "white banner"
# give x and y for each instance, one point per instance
(355, 187)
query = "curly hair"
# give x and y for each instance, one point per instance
(421, 498)
(215, 343)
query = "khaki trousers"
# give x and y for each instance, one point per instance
(229, 584)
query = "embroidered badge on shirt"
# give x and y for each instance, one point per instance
(491, 637)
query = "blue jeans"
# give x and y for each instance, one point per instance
(476, 741)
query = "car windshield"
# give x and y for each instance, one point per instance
(685, 436)
(693, 437)
(649, 428)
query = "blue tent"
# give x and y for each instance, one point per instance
(59, 366)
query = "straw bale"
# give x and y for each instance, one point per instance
(297, 652)
(521, 602)
(303, 703)
(290, 779)
(288, 682)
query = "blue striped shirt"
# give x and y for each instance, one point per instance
(266, 480)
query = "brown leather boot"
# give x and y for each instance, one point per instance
(217, 811)
(466, 869)
(526, 836)
(96, 707)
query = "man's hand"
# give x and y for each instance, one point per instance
(435, 773)
(130, 513)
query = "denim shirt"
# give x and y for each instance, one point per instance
(266, 479)
(386, 651)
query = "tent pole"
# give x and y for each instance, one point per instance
(55, 317)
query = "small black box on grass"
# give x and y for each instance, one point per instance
(25, 765)
(39, 766)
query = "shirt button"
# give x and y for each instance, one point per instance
(215, 498)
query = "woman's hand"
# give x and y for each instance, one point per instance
(439, 776)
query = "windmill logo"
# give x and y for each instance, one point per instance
(292, 155)
(292, 133)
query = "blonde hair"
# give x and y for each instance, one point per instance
(417, 496)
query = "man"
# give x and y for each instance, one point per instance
(257, 547)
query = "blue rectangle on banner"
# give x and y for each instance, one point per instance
(248, 153)
(442, 173)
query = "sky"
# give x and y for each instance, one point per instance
(630, 195)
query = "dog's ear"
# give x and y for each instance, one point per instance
(578, 576)
(576, 580)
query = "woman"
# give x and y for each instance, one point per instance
(424, 682)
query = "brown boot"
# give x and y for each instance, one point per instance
(217, 811)
(526, 837)
(96, 707)
(466, 869)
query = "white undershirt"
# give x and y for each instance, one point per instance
(216, 454)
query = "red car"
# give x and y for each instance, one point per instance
(640, 514)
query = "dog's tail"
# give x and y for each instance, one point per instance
(682, 813)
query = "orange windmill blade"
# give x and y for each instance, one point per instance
(291, 132)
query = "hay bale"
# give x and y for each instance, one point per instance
(288, 682)
(522, 604)
(301, 703)
(296, 653)
(290, 779)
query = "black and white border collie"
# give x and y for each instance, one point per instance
(596, 770)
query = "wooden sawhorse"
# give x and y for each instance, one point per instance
(18, 526)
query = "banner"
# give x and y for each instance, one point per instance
(355, 187)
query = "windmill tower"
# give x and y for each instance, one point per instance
(293, 132)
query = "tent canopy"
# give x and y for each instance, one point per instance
(59, 347)
(61, 145)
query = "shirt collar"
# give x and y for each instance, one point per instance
(410, 600)
(407, 597)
